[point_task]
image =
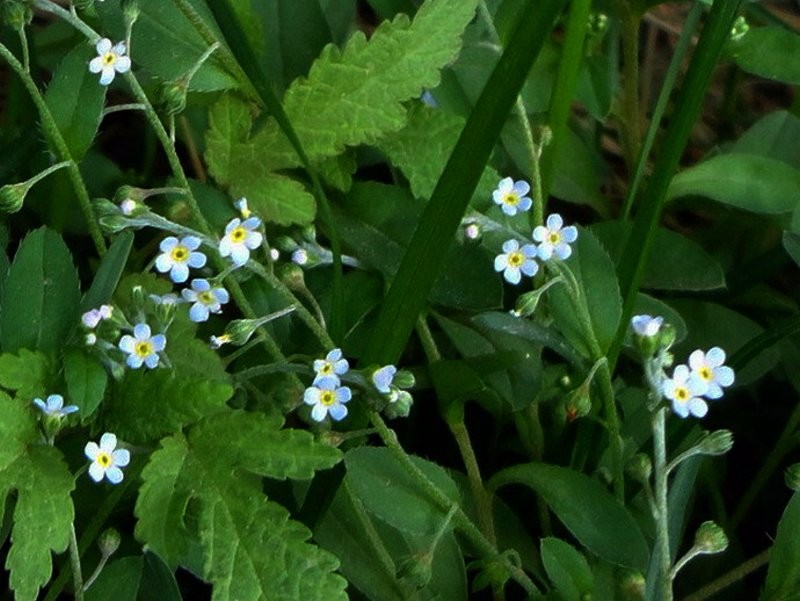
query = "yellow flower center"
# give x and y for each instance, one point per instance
(143, 348)
(706, 373)
(104, 459)
(516, 258)
(327, 397)
(238, 235)
(554, 237)
(109, 58)
(180, 254)
(511, 199)
(682, 394)
(206, 298)
(327, 369)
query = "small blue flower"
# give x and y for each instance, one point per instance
(684, 389)
(142, 347)
(168, 299)
(240, 238)
(383, 378)
(205, 298)
(332, 365)
(327, 397)
(709, 367)
(645, 325)
(106, 461)
(553, 240)
(510, 195)
(93, 317)
(514, 261)
(178, 256)
(54, 407)
(242, 207)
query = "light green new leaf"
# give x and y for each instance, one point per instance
(252, 550)
(769, 52)
(750, 182)
(568, 569)
(43, 512)
(421, 149)
(26, 372)
(75, 99)
(783, 577)
(42, 285)
(587, 509)
(86, 380)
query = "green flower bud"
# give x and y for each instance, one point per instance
(109, 542)
(578, 402)
(12, 196)
(124, 193)
(292, 275)
(16, 14)
(404, 379)
(239, 331)
(739, 29)
(792, 476)
(527, 303)
(710, 538)
(130, 10)
(399, 404)
(633, 586)
(639, 468)
(598, 24)
(139, 297)
(417, 569)
(718, 442)
(172, 97)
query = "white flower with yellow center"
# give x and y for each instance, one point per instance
(709, 367)
(240, 238)
(110, 60)
(142, 347)
(510, 195)
(332, 365)
(554, 239)
(178, 256)
(684, 389)
(327, 398)
(106, 459)
(206, 299)
(514, 261)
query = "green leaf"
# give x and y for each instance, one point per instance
(783, 576)
(421, 148)
(251, 548)
(109, 272)
(774, 136)
(26, 372)
(587, 509)
(750, 182)
(86, 381)
(594, 273)
(43, 513)
(158, 581)
(42, 286)
(647, 305)
(119, 580)
(76, 100)
(303, 34)
(791, 242)
(387, 490)
(769, 52)
(568, 569)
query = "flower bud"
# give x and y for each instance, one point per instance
(300, 257)
(109, 542)
(172, 97)
(83, 4)
(400, 403)
(139, 297)
(130, 10)
(527, 303)
(291, 275)
(12, 196)
(404, 379)
(417, 569)
(739, 29)
(633, 586)
(598, 24)
(472, 231)
(124, 193)
(16, 14)
(718, 442)
(792, 476)
(578, 402)
(639, 468)
(710, 538)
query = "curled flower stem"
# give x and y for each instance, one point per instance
(130, 106)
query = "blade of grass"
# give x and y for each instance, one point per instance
(240, 48)
(684, 41)
(434, 234)
(687, 109)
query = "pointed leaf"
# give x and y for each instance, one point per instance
(86, 381)
(568, 569)
(109, 273)
(783, 577)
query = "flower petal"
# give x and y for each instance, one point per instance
(121, 457)
(96, 471)
(114, 474)
(337, 412)
(141, 331)
(91, 450)
(108, 442)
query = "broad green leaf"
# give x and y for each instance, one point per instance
(158, 580)
(587, 509)
(119, 580)
(648, 305)
(594, 273)
(745, 181)
(773, 136)
(86, 381)
(783, 577)
(26, 372)
(148, 404)
(389, 492)
(677, 262)
(76, 99)
(43, 512)
(303, 34)
(769, 52)
(791, 242)
(42, 286)
(251, 548)
(109, 272)
(567, 568)
(421, 148)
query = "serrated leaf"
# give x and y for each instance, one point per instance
(41, 296)
(42, 516)
(252, 549)
(75, 99)
(26, 372)
(421, 149)
(86, 381)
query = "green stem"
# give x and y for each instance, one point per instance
(75, 563)
(70, 17)
(659, 420)
(23, 41)
(60, 148)
(130, 106)
(724, 581)
(383, 556)
(97, 571)
(485, 548)
(43, 174)
(631, 117)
